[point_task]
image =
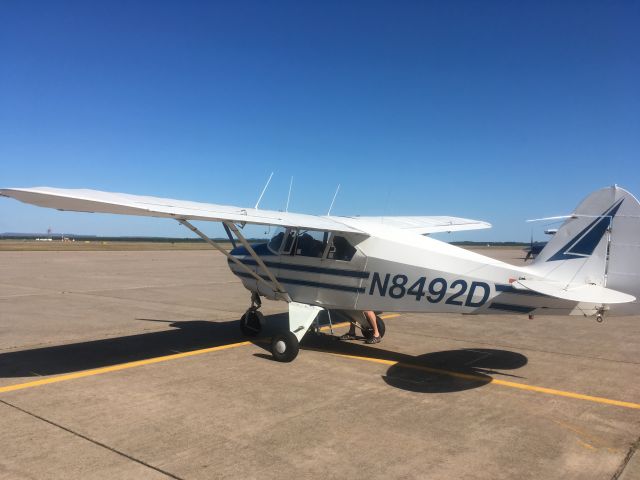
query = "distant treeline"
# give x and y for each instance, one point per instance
(491, 244)
(95, 238)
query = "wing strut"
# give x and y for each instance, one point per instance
(279, 288)
(281, 292)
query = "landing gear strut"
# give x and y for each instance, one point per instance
(600, 315)
(285, 345)
(252, 320)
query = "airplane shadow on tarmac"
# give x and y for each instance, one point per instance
(435, 372)
(183, 337)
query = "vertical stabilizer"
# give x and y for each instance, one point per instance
(599, 244)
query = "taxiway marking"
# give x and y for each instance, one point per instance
(118, 367)
(125, 366)
(175, 356)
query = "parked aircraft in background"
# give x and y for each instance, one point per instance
(534, 248)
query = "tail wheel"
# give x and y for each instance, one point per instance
(285, 347)
(367, 331)
(251, 323)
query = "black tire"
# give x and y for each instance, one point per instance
(367, 331)
(251, 323)
(285, 347)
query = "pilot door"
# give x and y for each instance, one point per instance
(342, 272)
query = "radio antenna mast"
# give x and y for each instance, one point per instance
(332, 201)
(289, 196)
(263, 190)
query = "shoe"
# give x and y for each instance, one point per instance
(373, 340)
(347, 336)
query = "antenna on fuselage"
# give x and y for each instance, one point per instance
(289, 196)
(263, 190)
(334, 199)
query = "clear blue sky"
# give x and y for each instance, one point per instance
(499, 111)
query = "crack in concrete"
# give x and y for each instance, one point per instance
(632, 450)
(91, 440)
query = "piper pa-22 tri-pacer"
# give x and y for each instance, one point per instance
(347, 265)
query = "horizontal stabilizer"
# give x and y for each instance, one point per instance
(588, 293)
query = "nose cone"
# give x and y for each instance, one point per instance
(239, 251)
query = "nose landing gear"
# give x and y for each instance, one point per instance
(285, 347)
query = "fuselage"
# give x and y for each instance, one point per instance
(393, 273)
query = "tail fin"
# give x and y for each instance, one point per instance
(599, 244)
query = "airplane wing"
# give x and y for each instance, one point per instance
(82, 200)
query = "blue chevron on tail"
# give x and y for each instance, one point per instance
(583, 244)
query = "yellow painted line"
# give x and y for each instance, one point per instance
(335, 325)
(582, 434)
(504, 383)
(389, 315)
(175, 356)
(115, 368)
(562, 393)
(138, 363)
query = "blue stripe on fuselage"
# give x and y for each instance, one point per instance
(263, 251)
(309, 268)
(511, 308)
(511, 289)
(307, 283)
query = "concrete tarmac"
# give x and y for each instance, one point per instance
(131, 365)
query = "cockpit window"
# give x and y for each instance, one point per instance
(341, 249)
(276, 240)
(311, 243)
(289, 243)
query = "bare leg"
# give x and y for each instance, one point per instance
(372, 320)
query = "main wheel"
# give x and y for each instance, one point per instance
(367, 331)
(251, 323)
(285, 347)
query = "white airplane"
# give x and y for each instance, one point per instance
(346, 265)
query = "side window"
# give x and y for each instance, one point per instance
(311, 243)
(341, 249)
(289, 242)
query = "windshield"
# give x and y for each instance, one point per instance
(276, 240)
